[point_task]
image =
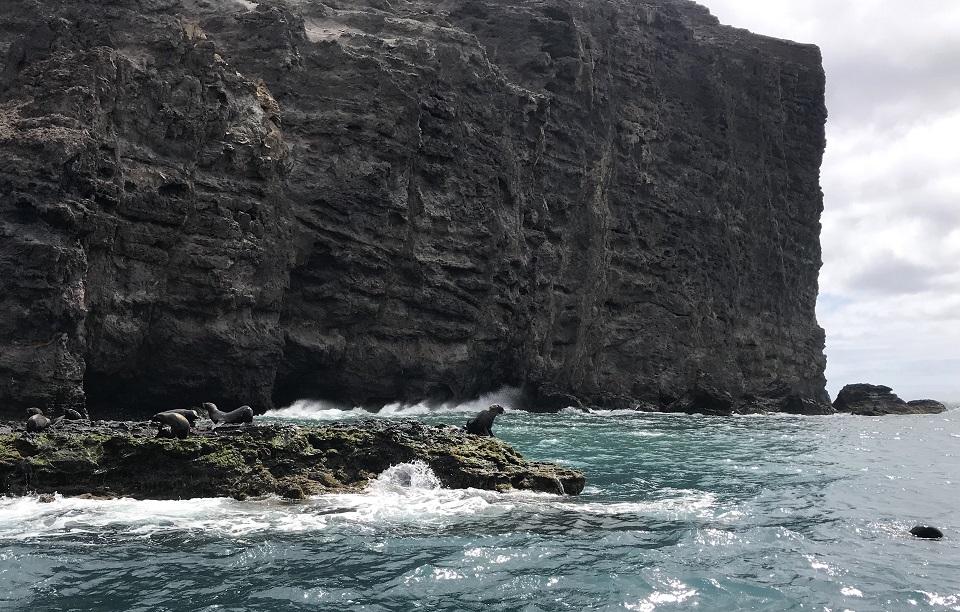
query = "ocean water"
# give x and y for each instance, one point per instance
(680, 512)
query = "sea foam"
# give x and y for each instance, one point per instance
(321, 410)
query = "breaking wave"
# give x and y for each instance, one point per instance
(404, 496)
(320, 410)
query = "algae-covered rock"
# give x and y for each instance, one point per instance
(124, 459)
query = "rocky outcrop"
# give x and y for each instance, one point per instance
(926, 406)
(878, 400)
(124, 459)
(610, 203)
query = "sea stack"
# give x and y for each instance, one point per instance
(878, 400)
(614, 202)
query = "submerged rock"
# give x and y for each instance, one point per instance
(878, 400)
(123, 459)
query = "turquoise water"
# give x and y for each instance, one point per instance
(758, 513)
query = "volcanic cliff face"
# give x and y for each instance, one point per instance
(614, 202)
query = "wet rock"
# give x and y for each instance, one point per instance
(795, 404)
(705, 400)
(118, 459)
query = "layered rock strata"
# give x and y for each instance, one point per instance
(125, 459)
(609, 203)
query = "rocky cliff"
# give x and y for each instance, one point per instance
(614, 202)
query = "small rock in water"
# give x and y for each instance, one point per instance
(927, 533)
(927, 406)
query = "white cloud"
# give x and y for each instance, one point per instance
(890, 286)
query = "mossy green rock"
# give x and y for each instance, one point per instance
(123, 459)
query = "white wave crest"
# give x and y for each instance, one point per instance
(405, 495)
(319, 410)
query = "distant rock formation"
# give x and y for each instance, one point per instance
(926, 406)
(610, 203)
(878, 400)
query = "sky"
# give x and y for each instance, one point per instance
(890, 283)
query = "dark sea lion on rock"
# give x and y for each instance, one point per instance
(482, 424)
(926, 532)
(178, 424)
(37, 423)
(190, 415)
(243, 414)
(72, 415)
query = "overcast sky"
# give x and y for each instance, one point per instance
(890, 284)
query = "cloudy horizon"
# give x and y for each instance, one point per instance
(890, 283)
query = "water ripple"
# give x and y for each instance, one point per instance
(723, 514)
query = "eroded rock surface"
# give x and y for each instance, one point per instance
(125, 459)
(608, 203)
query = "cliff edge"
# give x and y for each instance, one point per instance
(612, 203)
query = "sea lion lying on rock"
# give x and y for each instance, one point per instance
(172, 425)
(243, 414)
(190, 415)
(38, 422)
(72, 415)
(482, 424)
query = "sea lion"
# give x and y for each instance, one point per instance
(72, 415)
(926, 532)
(190, 415)
(243, 414)
(178, 424)
(482, 424)
(37, 423)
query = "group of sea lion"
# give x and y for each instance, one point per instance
(37, 421)
(178, 423)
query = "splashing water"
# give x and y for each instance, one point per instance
(318, 410)
(416, 475)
